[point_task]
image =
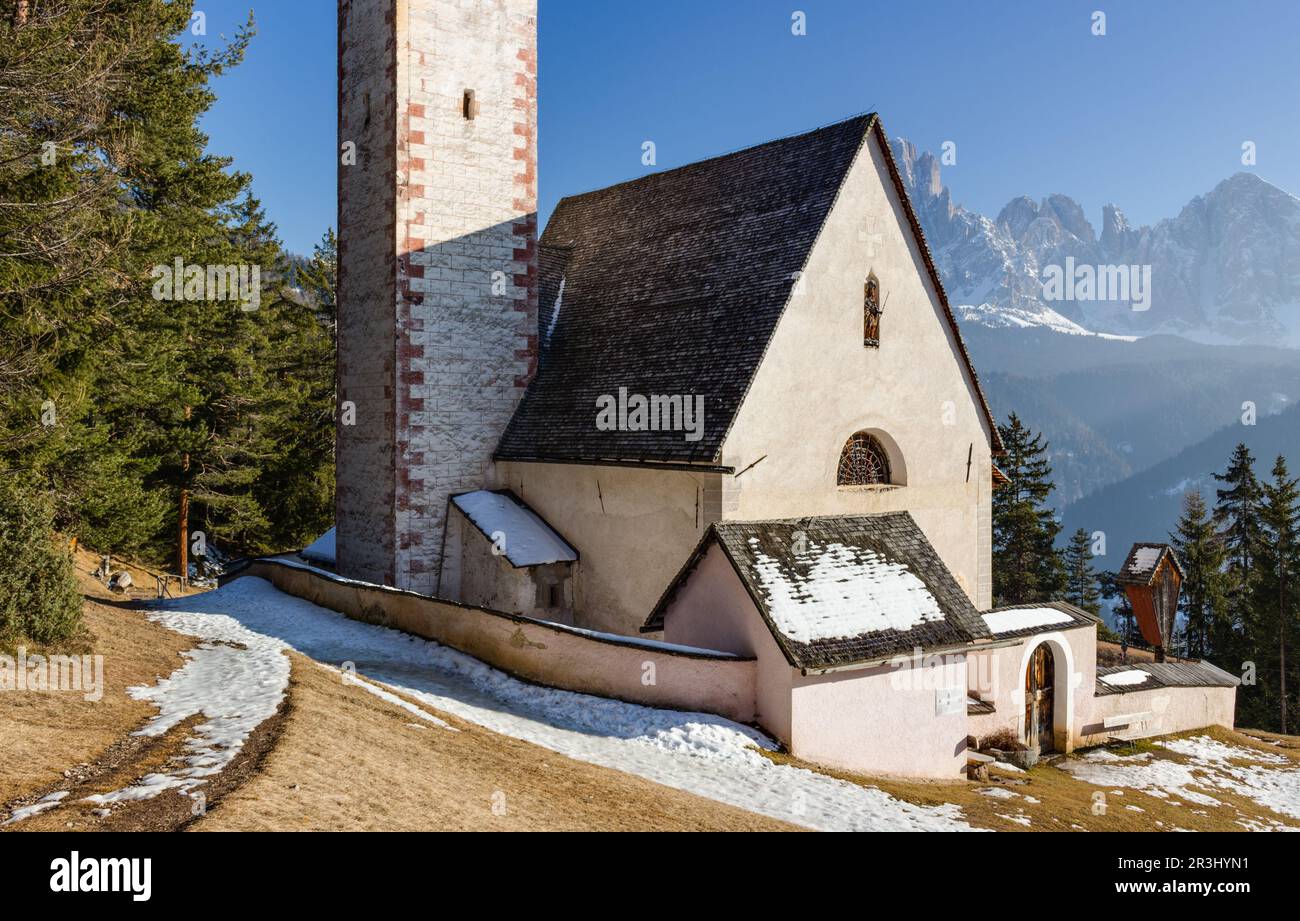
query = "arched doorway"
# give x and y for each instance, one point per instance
(1040, 699)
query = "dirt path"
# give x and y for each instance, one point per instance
(45, 734)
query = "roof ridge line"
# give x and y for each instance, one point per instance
(718, 156)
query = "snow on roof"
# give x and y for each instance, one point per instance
(845, 592)
(321, 549)
(837, 590)
(526, 539)
(1013, 619)
(1126, 678)
(1145, 559)
(1142, 562)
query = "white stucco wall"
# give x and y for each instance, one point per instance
(1171, 709)
(475, 575)
(712, 610)
(884, 720)
(818, 385)
(633, 529)
(999, 675)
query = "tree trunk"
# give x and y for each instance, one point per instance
(1281, 645)
(183, 547)
(1283, 670)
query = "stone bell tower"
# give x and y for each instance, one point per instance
(437, 289)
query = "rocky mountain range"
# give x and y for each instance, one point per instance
(1225, 270)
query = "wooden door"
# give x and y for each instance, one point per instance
(1040, 684)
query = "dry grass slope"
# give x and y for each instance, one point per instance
(339, 758)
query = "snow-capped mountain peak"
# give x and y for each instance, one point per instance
(1226, 269)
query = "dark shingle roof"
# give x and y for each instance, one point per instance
(1072, 617)
(1198, 674)
(673, 284)
(1143, 561)
(834, 552)
(977, 707)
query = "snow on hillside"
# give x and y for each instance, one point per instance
(696, 752)
(234, 679)
(1203, 767)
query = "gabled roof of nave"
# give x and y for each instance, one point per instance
(674, 284)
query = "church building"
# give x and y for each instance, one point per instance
(724, 406)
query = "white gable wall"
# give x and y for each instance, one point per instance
(818, 385)
(712, 610)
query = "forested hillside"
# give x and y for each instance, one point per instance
(159, 374)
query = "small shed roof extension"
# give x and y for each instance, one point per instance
(527, 540)
(1028, 619)
(1143, 676)
(840, 590)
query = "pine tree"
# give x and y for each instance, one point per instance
(1026, 564)
(299, 480)
(1237, 517)
(1201, 553)
(1121, 608)
(109, 97)
(1081, 582)
(1277, 587)
(39, 599)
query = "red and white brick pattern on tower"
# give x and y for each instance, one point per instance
(457, 267)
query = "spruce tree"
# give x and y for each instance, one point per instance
(103, 175)
(298, 481)
(1274, 621)
(39, 599)
(1081, 582)
(1121, 608)
(1201, 552)
(1237, 518)
(1026, 564)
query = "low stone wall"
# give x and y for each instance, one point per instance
(628, 669)
(1175, 709)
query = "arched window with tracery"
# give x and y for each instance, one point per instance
(864, 462)
(871, 311)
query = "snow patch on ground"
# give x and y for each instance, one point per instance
(235, 679)
(1138, 772)
(1273, 787)
(399, 702)
(36, 808)
(697, 752)
(1268, 779)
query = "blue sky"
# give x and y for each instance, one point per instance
(1147, 116)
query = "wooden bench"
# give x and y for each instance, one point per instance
(1124, 722)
